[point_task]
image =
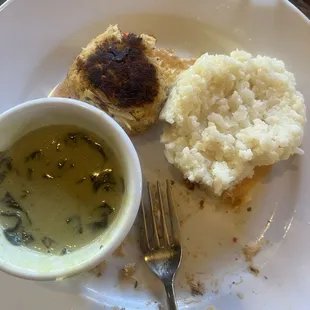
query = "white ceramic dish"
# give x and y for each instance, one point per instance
(29, 116)
(39, 40)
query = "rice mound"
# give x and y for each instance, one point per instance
(228, 114)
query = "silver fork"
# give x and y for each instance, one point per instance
(160, 243)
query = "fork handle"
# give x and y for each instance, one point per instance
(170, 296)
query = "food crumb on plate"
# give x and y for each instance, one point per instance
(251, 250)
(99, 270)
(237, 283)
(119, 251)
(240, 295)
(196, 287)
(254, 270)
(127, 272)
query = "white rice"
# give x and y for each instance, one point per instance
(228, 114)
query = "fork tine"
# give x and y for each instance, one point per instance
(153, 214)
(145, 225)
(164, 224)
(175, 226)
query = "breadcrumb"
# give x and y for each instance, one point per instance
(251, 250)
(99, 270)
(127, 272)
(196, 287)
(119, 251)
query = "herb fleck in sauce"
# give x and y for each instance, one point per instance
(62, 197)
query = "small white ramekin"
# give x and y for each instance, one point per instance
(16, 122)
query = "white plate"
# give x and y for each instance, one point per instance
(39, 39)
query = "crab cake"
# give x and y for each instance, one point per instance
(119, 74)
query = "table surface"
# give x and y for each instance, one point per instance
(303, 5)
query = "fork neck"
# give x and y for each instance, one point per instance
(171, 302)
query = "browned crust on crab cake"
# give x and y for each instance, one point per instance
(120, 69)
